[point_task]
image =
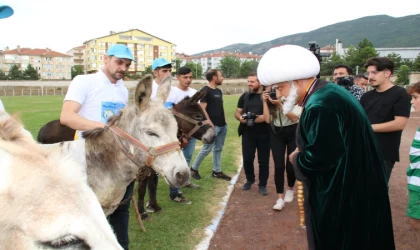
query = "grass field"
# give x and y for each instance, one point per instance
(177, 226)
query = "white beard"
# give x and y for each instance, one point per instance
(290, 100)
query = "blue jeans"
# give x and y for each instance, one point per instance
(188, 152)
(218, 144)
(119, 219)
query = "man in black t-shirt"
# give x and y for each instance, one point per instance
(387, 107)
(212, 104)
(255, 134)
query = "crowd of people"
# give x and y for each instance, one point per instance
(340, 141)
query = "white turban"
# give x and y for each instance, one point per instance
(287, 63)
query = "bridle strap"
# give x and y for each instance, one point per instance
(198, 124)
(152, 153)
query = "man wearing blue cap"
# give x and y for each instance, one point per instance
(90, 101)
(5, 11)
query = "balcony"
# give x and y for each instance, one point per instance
(79, 60)
(78, 54)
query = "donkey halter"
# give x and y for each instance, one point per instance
(198, 124)
(152, 153)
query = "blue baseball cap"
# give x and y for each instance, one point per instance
(5, 11)
(121, 51)
(160, 62)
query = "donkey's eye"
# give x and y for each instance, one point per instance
(198, 117)
(151, 133)
(66, 242)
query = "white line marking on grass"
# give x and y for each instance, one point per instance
(211, 229)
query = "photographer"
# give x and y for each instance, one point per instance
(282, 138)
(342, 75)
(255, 135)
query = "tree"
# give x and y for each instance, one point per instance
(416, 64)
(403, 75)
(247, 67)
(396, 58)
(15, 73)
(358, 56)
(3, 75)
(196, 69)
(409, 63)
(30, 73)
(177, 64)
(148, 70)
(76, 70)
(327, 65)
(229, 65)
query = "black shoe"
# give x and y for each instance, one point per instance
(153, 209)
(195, 174)
(263, 190)
(144, 216)
(220, 175)
(247, 185)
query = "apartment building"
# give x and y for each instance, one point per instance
(212, 60)
(78, 55)
(144, 46)
(49, 64)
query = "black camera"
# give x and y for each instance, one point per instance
(273, 94)
(250, 117)
(314, 48)
(345, 81)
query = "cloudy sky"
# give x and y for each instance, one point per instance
(194, 26)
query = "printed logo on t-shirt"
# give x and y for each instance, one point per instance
(169, 105)
(109, 109)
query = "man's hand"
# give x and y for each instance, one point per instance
(259, 119)
(293, 154)
(242, 120)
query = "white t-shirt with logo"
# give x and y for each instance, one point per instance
(176, 95)
(155, 87)
(99, 98)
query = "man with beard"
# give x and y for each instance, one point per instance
(341, 76)
(89, 101)
(388, 109)
(212, 104)
(345, 189)
(255, 134)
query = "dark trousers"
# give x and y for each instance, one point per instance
(389, 165)
(282, 142)
(250, 144)
(119, 219)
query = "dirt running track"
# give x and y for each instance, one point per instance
(251, 223)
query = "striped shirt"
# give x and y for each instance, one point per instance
(413, 171)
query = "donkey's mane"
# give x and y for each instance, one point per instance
(97, 132)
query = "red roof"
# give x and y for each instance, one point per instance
(35, 52)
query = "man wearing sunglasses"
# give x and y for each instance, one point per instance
(387, 107)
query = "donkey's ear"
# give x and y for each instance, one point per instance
(164, 89)
(143, 92)
(198, 95)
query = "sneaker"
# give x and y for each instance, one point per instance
(195, 174)
(247, 185)
(180, 199)
(192, 185)
(263, 190)
(289, 196)
(279, 204)
(220, 175)
(153, 209)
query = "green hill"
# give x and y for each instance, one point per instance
(383, 31)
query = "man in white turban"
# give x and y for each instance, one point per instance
(338, 159)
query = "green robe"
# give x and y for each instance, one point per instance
(348, 193)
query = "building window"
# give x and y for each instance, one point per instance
(140, 46)
(47, 66)
(149, 46)
(130, 45)
(149, 60)
(125, 37)
(143, 38)
(140, 52)
(163, 54)
(149, 53)
(58, 59)
(101, 52)
(163, 47)
(92, 43)
(101, 44)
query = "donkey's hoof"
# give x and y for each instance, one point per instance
(153, 209)
(144, 216)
